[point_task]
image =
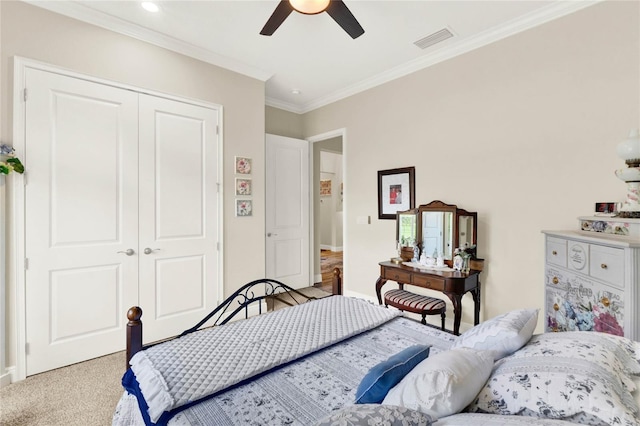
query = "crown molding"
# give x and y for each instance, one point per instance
(287, 106)
(549, 13)
(121, 26)
(554, 11)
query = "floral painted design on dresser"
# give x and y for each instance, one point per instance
(576, 303)
(606, 227)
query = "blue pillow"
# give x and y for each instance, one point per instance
(382, 377)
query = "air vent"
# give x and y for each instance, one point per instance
(434, 38)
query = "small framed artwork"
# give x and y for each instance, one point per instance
(396, 191)
(244, 208)
(325, 187)
(243, 165)
(243, 186)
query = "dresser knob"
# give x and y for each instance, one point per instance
(555, 253)
(605, 301)
(603, 266)
(556, 307)
(555, 280)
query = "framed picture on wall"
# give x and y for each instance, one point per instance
(243, 165)
(244, 208)
(243, 186)
(396, 191)
(325, 187)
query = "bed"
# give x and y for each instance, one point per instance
(340, 360)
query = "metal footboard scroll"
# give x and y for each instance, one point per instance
(267, 290)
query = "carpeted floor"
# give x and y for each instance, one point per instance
(83, 394)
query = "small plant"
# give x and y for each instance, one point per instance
(8, 162)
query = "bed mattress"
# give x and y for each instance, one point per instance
(300, 393)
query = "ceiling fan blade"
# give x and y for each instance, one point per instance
(343, 16)
(278, 16)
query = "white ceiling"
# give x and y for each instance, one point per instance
(311, 53)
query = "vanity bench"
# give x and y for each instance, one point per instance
(416, 303)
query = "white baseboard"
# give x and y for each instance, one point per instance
(7, 378)
(317, 278)
(330, 248)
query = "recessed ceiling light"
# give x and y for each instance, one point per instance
(296, 91)
(150, 6)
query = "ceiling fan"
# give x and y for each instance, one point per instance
(335, 8)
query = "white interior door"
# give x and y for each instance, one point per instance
(432, 233)
(287, 210)
(81, 216)
(121, 210)
(178, 211)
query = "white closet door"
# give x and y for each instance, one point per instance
(81, 216)
(178, 215)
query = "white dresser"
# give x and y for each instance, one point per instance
(592, 282)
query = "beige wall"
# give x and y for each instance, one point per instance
(34, 33)
(283, 123)
(523, 131)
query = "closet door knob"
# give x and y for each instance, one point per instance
(128, 252)
(603, 266)
(150, 250)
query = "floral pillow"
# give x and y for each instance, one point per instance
(503, 334)
(576, 376)
(376, 414)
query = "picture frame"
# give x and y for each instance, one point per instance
(243, 186)
(244, 208)
(325, 187)
(243, 165)
(396, 191)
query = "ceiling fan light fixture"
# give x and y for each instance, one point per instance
(309, 7)
(150, 6)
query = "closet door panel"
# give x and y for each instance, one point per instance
(81, 216)
(178, 215)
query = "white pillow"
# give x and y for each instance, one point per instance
(503, 334)
(443, 384)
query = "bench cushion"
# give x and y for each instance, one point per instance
(405, 300)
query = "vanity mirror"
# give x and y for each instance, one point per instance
(407, 227)
(443, 227)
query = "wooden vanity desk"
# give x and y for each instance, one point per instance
(452, 283)
(434, 231)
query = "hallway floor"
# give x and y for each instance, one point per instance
(329, 260)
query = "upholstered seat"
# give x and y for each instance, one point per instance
(416, 303)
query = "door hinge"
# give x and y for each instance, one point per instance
(26, 263)
(24, 178)
(26, 348)
(217, 129)
(25, 94)
(218, 246)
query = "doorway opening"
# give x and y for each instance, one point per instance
(328, 200)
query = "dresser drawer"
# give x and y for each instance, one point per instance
(397, 275)
(429, 282)
(578, 256)
(578, 302)
(556, 251)
(607, 264)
